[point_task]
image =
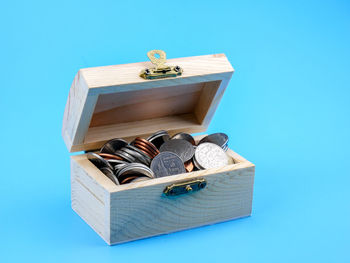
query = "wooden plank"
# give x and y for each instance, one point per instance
(96, 136)
(144, 211)
(118, 75)
(209, 100)
(147, 104)
(89, 199)
(74, 108)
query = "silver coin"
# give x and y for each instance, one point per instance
(209, 155)
(109, 173)
(156, 134)
(158, 138)
(115, 162)
(125, 156)
(113, 145)
(117, 167)
(138, 157)
(145, 156)
(167, 163)
(98, 161)
(184, 136)
(182, 148)
(196, 165)
(134, 169)
(220, 139)
(140, 179)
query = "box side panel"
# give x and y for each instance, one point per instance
(89, 200)
(144, 212)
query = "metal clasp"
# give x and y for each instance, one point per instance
(185, 187)
(161, 70)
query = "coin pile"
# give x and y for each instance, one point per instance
(159, 155)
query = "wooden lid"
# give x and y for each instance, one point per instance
(115, 102)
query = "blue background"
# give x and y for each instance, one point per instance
(286, 109)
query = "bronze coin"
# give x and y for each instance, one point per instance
(189, 166)
(110, 156)
(154, 148)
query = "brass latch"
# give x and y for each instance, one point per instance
(161, 70)
(185, 187)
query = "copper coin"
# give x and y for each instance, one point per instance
(137, 150)
(150, 149)
(189, 166)
(148, 143)
(110, 156)
(128, 179)
(145, 150)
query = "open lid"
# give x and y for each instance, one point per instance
(115, 102)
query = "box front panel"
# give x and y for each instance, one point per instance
(146, 211)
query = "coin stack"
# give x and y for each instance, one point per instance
(159, 155)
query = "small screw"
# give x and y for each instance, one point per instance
(147, 71)
(177, 68)
(189, 188)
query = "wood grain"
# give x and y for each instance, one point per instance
(89, 199)
(148, 104)
(145, 211)
(138, 210)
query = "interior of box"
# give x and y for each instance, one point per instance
(236, 159)
(143, 111)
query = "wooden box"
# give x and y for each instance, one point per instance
(115, 102)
